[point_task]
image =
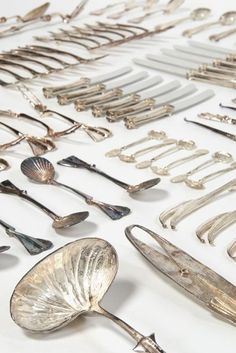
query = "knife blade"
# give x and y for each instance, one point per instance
(184, 56)
(173, 61)
(210, 47)
(199, 51)
(160, 67)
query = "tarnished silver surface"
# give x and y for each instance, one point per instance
(212, 290)
(68, 283)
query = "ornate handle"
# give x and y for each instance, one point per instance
(83, 104)
(68, 98)
(222, 35)
(206, 77)
(51, 92)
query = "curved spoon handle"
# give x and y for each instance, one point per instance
(190, 32)
(222, 35)
(217, 173)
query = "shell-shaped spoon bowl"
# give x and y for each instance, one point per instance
(38, 169)
(69, 282)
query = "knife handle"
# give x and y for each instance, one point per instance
(135, 121)
(206, 77)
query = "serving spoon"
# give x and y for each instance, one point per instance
(75, 162)
(34, 246)
(198, 14)
(42, 171)
(227, 19)
(7, 187)
(69, 283)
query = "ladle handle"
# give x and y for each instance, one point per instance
(79, 163)
(190, 32)
(112, 211)
(146, 344)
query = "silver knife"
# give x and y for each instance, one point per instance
(132, 122)
(148, 104)
(199, 51)
(134, 98)
(206, 77)
(184, 56)
(51, 92)
(211, 47)
(96, 89)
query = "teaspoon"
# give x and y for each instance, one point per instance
(227, 19)
(75, 162)
(42, 171)
(217, 157)
(34, 246)
(7, 187)
(198, 14)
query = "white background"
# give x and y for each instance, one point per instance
(139, 295)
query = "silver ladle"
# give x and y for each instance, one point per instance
(7, 187)
(42, 171)
(75, 162)
(227, 19)
(69, 283)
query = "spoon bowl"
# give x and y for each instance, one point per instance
(3, 164)
(200, 13)
(4, 248)
(38, 169)
(228, 18)
(70, 220)
(148, 184)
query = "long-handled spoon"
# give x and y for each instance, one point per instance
(227, 19)
(7, 187)
(217, 157)
(180, 145)
(198, 14)
(132, 157)
(69, 283)
(152, 135)
(170, 7)
(42, 171)
(166, 169)
(34, 246)
(219, 36)
(75, 162)
(199, 184)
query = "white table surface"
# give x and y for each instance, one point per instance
(140, 295)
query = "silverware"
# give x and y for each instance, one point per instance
(7, 187)
(222, 35)
(84, 82)
(214, 226)
(212, 290)
(167, 9)
(38, 145)
(232, 251)
(218, 131)
(176, 214)
(166, 169)
(151, 135)
(97, 134)
(187, 145)
(100, 12)
(200, 183)
(42, 171)
(132, 158)
(217, 117)
(217, 157)
(227, 19)
(34, 246)
(75, 162)
(75, 278)
(198, 14)
(112, 109)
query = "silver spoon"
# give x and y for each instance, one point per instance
(152, 135)
(170, 7)
(7, 187)
(199, 184)
(217, 157)
(34, 246)
(75, 162)
(198, 14)
(166, 169)
(42, 171)
(4, 248)
(227, 19)
(180, 145)
(68, 283)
